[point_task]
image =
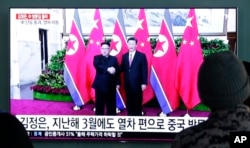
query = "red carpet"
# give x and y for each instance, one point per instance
(40, 107)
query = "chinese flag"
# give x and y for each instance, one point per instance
(144, 46)
(74, 60)
(118, 48)
(94, 46)
(162, 76)
(188, 63)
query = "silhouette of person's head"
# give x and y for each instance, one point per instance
(223, 82)
(12, 132)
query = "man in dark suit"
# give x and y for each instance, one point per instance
(106, 81)
(134, 65)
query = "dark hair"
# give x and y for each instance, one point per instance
(12, 132)
(132, 39)
(105, 43)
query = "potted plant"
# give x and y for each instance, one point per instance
(50, 84)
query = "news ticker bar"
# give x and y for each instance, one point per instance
(108, 123)
(96, 134)
(236, 139)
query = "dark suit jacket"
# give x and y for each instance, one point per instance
(104, 81)
(136, 74)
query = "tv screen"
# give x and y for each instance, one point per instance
(52, 69)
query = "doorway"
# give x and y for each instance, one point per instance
(44, 48)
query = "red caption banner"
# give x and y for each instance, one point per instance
(32, 16)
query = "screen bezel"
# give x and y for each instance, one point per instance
(242, 31)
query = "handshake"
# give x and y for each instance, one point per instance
(111, 70)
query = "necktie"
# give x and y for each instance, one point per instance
(130, 59)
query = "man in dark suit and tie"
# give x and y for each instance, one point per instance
(106, 81)
(134, 65)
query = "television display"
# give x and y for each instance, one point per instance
(52, 69)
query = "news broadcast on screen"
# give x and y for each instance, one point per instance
(64, 86)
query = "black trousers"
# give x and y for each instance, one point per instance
(134, 102)
(105, 99)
